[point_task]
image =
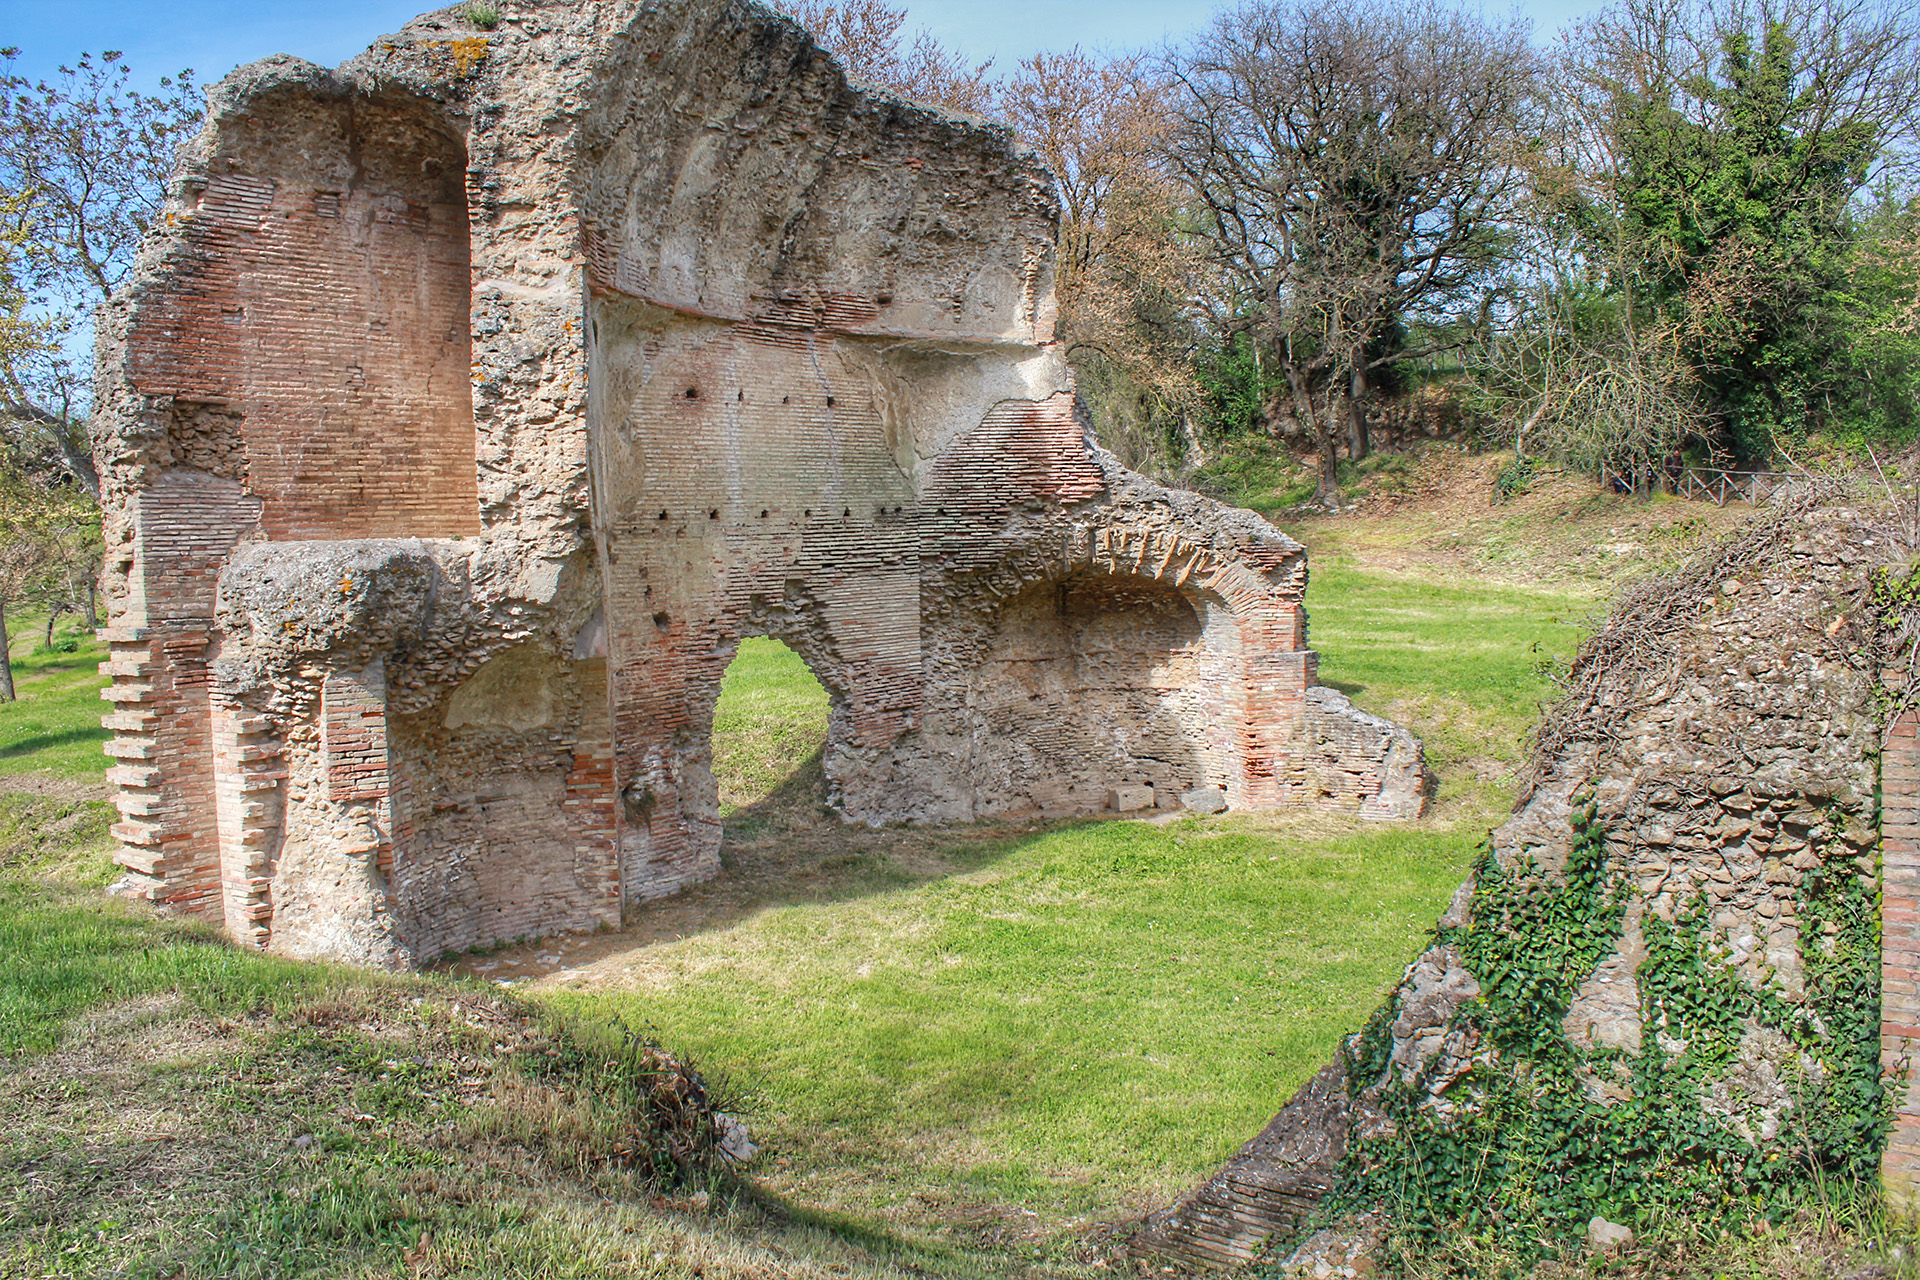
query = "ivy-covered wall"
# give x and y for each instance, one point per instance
(1660, 991)
(1664, 975)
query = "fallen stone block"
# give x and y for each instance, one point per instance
(1204, 800)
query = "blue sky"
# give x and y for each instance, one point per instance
(214, 36)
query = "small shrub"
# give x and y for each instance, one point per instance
(482, 15)
(1514, 479)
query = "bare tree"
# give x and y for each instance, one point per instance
(91, 157)
(866, 36)
(1124, 271)
(1355, 163)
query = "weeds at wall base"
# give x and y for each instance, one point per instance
(1538, 1134)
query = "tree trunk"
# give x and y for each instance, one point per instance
(1328, 491)
(52, 614)
(1327, 436)
(61, 428)
(93, 604)
(1358, 443)
(1196, 452)
(6, 658)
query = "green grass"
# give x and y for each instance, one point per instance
(1077, 1017)
(1097, 1009)
(66, 951)
(1466, 666)
(1252, 472)
(771, 717)
(54, 727)
(1039, 1025)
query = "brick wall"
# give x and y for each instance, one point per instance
(311, 353)
(325, 307)
(1087, 684)
(248, 772)
(504, 812)
(1900, 950)
(185, 525)
(747, 486)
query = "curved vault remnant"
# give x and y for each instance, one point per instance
(472, 400)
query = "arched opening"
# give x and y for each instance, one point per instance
(769, 738)
(1092, 684)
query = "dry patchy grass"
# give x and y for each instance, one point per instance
(394, 1130)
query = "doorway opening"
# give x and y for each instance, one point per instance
(769, 736)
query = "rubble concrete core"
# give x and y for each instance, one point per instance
(471, 402)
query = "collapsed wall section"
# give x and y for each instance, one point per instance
(1661, 992)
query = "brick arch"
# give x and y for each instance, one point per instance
(807, 635)
(1231, 687)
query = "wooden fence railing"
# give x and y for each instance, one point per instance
(1709, 483)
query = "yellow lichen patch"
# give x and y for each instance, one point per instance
(468, 53)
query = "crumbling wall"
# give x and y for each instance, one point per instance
(472, 401)
(1661, 990)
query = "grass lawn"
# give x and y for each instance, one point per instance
(54, 728)
(966, 1046)
(1083, 1023)
(1464, 664)
(1081, 1019)
(771, 717)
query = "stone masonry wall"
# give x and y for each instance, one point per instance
(1728, 731)
(469, 404)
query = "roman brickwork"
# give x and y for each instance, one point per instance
(1900, 951)
(472, 401)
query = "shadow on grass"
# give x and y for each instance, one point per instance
(1347, 687)
(48, 741)
(789, 849)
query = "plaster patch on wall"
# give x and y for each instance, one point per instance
(512, 691)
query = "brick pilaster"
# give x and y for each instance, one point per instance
(1900, 950)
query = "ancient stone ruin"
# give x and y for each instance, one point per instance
(1737, 764)
(473, 400)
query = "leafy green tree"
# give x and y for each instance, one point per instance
(1716, 159)
(22, 334)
